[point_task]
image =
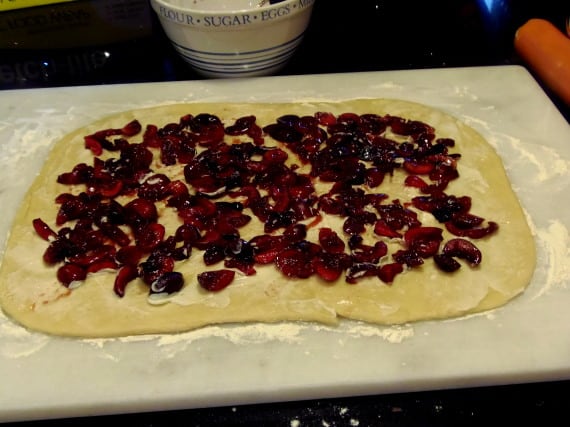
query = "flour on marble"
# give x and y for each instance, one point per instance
(392, 334)
(544, 169)
(16, 342)
(247, 334)
(388, 85)
(260, 333)
(555, 241)
(464, 92)
(288, 332)
(547, 162)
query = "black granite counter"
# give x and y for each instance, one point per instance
(360, 35)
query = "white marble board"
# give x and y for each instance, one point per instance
(527, 340)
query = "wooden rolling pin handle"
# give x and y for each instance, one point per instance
(546, 51)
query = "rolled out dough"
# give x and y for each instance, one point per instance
(31, 295)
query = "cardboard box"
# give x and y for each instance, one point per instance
(72, 24)
(21, 4)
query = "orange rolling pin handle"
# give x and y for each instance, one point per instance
(546, 50)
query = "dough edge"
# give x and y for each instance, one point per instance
(423, 294)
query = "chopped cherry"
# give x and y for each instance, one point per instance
(330, 241)
(295, 262)
(388, 272)
(131, 128)
(424, 241)
(216, 280)
(126, 274)
(224, 182)
(446, 263)
(464, 249)
(168, 283)
(473, 233)
(43, 230)
(358, 271)
(69, 273)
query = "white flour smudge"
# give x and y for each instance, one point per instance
(18, 342)
(555, 241)
(260, 333)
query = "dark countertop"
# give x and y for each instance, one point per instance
(541, 404)
(370, 35)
